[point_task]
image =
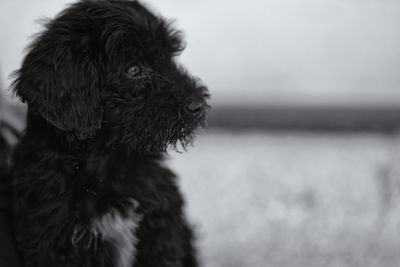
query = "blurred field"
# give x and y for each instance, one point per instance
(287, 199)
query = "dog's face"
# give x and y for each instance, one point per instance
(107, 68)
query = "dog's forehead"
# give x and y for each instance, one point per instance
(135, 12)
(145, 30)
(139, 15)
(136, 20)
(123, 28)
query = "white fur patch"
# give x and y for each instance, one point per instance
(120, 231)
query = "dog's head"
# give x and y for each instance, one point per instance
(107, 68)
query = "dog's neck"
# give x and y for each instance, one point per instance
(98, 152)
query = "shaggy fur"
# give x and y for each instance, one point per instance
(106, 99)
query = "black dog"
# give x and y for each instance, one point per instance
(105, 100)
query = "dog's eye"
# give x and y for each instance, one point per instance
(134, 70)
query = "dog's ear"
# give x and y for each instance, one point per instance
(59, 80)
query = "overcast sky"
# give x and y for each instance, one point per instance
(268, 52)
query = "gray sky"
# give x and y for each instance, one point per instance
(312, 52)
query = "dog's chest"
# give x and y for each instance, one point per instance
(120, 231)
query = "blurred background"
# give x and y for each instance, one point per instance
(299, 164)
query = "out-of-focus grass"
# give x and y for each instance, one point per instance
(284, 199)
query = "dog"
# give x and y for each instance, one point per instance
(106, 101)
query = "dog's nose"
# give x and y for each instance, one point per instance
(195, 106)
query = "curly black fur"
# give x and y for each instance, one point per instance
(106, 99)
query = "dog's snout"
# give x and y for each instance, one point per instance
(195, 106)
